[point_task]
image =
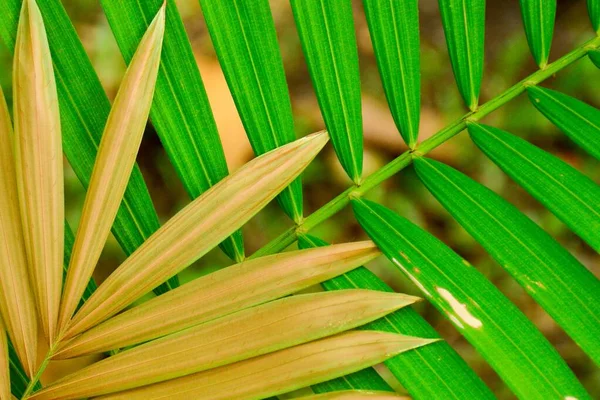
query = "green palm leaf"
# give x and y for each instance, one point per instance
(464, 27)
(529, 254)
(594, 12)
(243, 33)
(570, 195)
(326, 31)
(578, 120)
(538, 19)
(594, 56)
(394, 28)
(434, 371)
(84, 109)
(480, 312)
(180, 111)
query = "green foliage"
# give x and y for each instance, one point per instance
(538, 20)
(326, 31)
(464, 26)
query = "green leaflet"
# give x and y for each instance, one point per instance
(464, 27)
(394, 28)
(551, 275)
(538, 19)
(326, 30)
(432, 372)
(570, 195)
(84, 109)
(593, 7)
(243, 33)
(594, 56)
(180, 111)
(578, 120)
(511, 344)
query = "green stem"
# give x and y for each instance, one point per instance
(35, 379)
(289, 236)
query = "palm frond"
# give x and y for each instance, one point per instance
(538, 20)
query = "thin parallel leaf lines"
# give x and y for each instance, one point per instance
(339, 86)
(483, 310)
(517, 239)
(543, 171)
(187, 129)
(543, 42)
(469, 63)
(402, 69)
(582, 117)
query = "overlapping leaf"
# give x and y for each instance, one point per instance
(427, 372)
(528, 253)
(394, 28)
(17, 303)
(39, 167)
(570, 195)
(594, 56)
(236, 337)
(198, 228)
(221, 293)
(493, 325)
(355, 395)
(243, 33)
(116, 156)
(464, 27)
(578, 120)
(84, 108)
(538, 20)
(180, 112)
(281, 371)
(326, 30)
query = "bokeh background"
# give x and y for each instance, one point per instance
(507, 60)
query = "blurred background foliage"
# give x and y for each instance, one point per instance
(507, 60)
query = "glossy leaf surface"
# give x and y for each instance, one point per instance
(282, 371)
(243, 33)
(326, 30)
(540, 265)
(593, 7)
(394, 29)
(356, 395)
(538, 20)
(464, 27)
(427, 372)
(180, 111)
(220, 293)
(197, 228)
(84, 109)
(571, 196)
(508, 341)
(578, 120)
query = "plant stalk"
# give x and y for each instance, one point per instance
(405, 159)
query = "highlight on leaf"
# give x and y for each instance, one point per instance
(259, 330)
(232, 289)
(39, 163)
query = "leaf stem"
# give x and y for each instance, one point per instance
(405, 159)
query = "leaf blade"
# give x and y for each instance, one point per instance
(578, 120)
(38, 161)
(115, 160)
(209, 297)
(17, 303)
(249, 333)
(312, 362)
(464, 27)
(538, 20)
(563, 190)
(480, 312)
(223, 208)
(394, 28)
(244, 37)
(355, 395)
(183, 118)
(530, 255)
(326, 31)
(4, 369)
(418, 370)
